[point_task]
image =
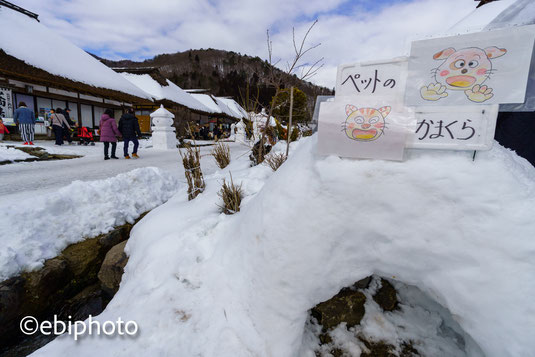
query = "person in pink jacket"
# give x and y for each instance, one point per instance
(108, 133)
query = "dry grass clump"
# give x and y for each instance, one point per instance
(192, 167)
(221, 153)
(275, 160)
(232, 195)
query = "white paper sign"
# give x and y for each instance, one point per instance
(455, 128)
(374, 78)
(362, 128)
(6, 103)
(483, 68)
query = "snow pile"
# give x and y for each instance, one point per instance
(35, 44)
(215, 285)
(11, 154)
(39, 228)
(170, 92)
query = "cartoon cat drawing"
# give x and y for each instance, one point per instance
(465, 69)
(365, 124)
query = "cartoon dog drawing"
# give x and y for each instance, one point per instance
(466, 69)
(365, 124)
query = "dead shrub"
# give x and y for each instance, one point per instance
(232, 195)
(275, 160)
(221, 153)
(192, 166)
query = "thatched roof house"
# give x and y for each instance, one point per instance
(46, 71)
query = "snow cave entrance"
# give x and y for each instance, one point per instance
(378, 316)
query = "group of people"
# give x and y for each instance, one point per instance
(204, 133)
(109, 132)
(62, 126)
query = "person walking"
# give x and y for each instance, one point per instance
(3, 129)
(58, 122)
(25, 119)
(67, 133)
(129, 128)
(108, 133)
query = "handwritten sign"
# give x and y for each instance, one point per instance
(363, 127)
(483, 68)
(6, 103)
(371, 78)
(455, 128)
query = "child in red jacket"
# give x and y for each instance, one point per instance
(3, 129)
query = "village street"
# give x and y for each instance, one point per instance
(28, 179)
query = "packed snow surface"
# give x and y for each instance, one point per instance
(80, 210)
(35, 44)
(200, 283)
(11, 154)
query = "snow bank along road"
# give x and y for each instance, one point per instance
(26, 179)
(38, 198)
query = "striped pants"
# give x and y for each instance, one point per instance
(27, 131)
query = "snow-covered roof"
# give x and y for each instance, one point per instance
(497, 14)
(208, 101)
(221, 105)
(226, 109)
(239, 112)
(170, 92)
(30, 41)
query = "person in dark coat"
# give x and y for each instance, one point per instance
(129, 128)
(25, 119)
(67, 132)
(108, 133)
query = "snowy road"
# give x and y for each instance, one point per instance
(23, 180)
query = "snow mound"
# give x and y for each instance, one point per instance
(202, 283)
(41, 227)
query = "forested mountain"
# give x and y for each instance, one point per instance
(224, 73)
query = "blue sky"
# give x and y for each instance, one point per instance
(348, 31)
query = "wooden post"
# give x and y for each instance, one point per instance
(289, 130)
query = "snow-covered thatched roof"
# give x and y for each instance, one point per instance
(169, 91)
(237, 109)
(24, 41)
(220, 105)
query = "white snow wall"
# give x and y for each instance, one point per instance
(460, 230)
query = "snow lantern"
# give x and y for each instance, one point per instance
(163, 132)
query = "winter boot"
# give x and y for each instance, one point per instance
(127, 157)
(134, 155)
